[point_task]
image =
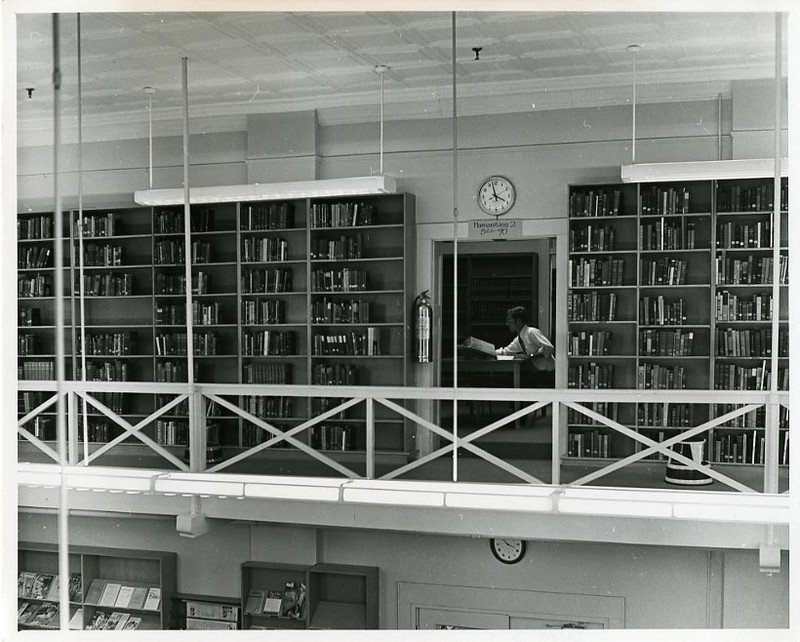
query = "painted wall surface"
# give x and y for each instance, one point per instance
(663, 587)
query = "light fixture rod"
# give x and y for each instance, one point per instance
(455, 252)
(81, 285)
(187, 234)
(633, 50)
(150, 132)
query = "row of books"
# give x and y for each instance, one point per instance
(171, 284)
(664, 271)
(97, 432)
(28, 400)
(37, 256)
(589, 443)
(350, 311)
(343, 248)
(754, 270)
(666, 343)
(665, 414)
(655, 376)
(28, 344)
(91, 225)
(265, 249)
(668, 235)
(105, 255)
(598, 202)
(171, 221)
(268, 373)
(339, 280)
(591, 306)
(342, 214)
(267, 216)
(659, 311)
(109, 343)
(657, 201)
(113, 400)
(175, 371)
(171, 432)
(115, 594)
(175, 343)
(264, 407)
(744, 235)
(290, 602)
(730, 306)
(38, 614)
(337, 374)
(750, 343)
(35, 228)
(36, 370)
(113, 284)
(353, 343)
(269, 280)
(43, 428)
(35, 286)
(586, 343)
(592, 272)
(590, 375)
(607, 409)
(172, 252)
(757, 198)
(729, 376)
(175, 313)
(106, 371)
(333, 437)
(268, 342)
(747, 448)
(753, 419)
(45, 586)
(264, 311)
(592, 238)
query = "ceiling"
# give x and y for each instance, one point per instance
(271, 62)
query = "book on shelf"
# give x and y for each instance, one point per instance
(272, 602)
(115, 621)
(201, 624)
(293, 603)
(124, 597)
(41, 586)
(95, 591)
(133, 623)
(138, 597)
(153, 600)
(110, 593)
(26, 611)
(98, 621)
(209, 611)
(76, 621)
(255, 602)
(45, 615)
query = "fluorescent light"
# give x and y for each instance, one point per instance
(399, 497)
(283, 491)
(499, 501)
(103, 478)
(207, 486)
(741, 513)
(355, 186)
(38, 475)
(702, 170)
(567, 505)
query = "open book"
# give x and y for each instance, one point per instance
(473, 348)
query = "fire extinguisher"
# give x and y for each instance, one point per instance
(422, 328)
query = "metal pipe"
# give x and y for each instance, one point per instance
(63, 515)
(455, 253)
(81, 288)
(382, 79)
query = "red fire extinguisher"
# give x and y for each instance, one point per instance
(423, 316)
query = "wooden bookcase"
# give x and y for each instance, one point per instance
(654, 271)
(92, 569)
(336, 596)
(306, 291)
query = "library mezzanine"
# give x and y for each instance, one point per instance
(249, 364)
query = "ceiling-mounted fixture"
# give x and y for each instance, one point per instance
(633, 50)
(150, 91)
(477, 51)
(381, 71)
(357, 186)
(702, 170)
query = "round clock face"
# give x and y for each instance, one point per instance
(497, 195)
(508, 551)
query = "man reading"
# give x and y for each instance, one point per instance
(529, 342)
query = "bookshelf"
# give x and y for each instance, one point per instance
(205, 613)
(307, 291)
(330, 596)
(668, 289)
(109, 589)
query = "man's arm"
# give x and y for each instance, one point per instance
(512, 348)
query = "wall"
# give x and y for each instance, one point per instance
(663, 587)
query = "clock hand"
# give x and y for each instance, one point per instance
(494, 193)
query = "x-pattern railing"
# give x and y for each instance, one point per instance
(390, 398)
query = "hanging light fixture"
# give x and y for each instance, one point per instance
(381, 71)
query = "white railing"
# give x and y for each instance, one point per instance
(398, 401)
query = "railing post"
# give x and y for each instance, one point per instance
(198, 433)
(771, 440)
(72, 427)
(370, 438)
(556, 450)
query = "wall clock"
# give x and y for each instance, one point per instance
(507, 550)
(496, 195)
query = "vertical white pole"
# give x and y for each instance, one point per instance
(58, 286)
(81, 291)
(149, 91)
(633, 123)
(771, 458)
(455, 255)
(382, 79)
